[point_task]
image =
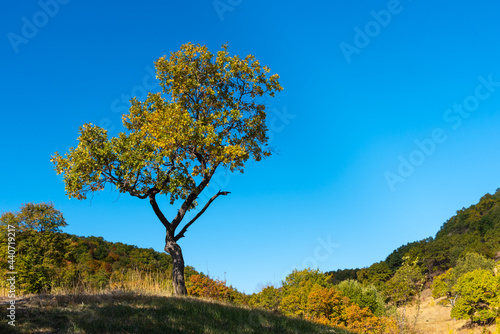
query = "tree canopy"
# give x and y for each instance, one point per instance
(210, 113)
(206, 116)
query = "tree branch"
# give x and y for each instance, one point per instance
(188, 173)
(156, 208)
(184, 229)
(154, 189)
(201, 160)
(191, 198)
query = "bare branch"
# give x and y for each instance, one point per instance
(192, 197)
(184, 229)
(136, 194)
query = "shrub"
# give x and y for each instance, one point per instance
(479, 296)
(363, 296)
(268, 298)
(407, 282)
(200, 285)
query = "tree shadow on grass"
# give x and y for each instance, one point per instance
(132, 313)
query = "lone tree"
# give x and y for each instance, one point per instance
(209, 115)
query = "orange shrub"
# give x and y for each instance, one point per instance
(327, 305)
(204, 286)
(362, 320)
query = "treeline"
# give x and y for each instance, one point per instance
(46, 259)
(310, 295)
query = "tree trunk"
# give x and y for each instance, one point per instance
(172, 248)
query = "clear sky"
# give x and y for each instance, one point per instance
(388, 123)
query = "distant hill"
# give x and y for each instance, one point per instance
(46, 260)
(473, 229)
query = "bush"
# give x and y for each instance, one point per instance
(268, 298)
(363, 296)
(200, 285)
(479, 296)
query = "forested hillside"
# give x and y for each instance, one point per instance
(475, 229)
(48, 259)
(472, 230)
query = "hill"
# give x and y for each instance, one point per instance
(134, 313)
(47, 259)
(475, 229)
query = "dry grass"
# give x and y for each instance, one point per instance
(131, 290)
(132, 280)
(142, 302)
(145, 282)
(137, 313)
(435, 319)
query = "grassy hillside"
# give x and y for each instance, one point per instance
(134, 313)
(434, 318)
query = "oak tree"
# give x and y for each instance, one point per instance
(210, 114)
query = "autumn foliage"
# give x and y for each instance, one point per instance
(328, 306)
(309, 294)
(200, 285)
(49, 260)
(210, 115)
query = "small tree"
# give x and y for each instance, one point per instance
(443, 285)
(41, 250)
(42, 217)
(479, 296)
(207, 117)
(407, 282)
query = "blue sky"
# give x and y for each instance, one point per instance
(388, 123)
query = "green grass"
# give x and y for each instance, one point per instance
(135, 313)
